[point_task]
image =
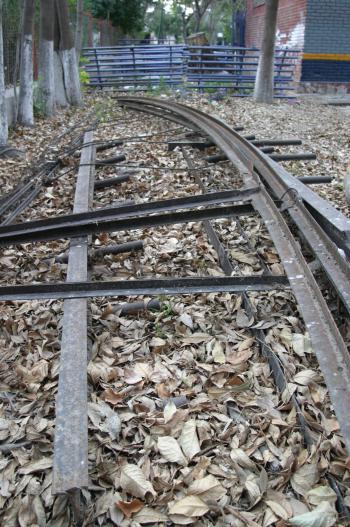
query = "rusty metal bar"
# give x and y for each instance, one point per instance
(133, 246)
(277, 142)
(159, 286)
(133, 308)
(70, 467)
(303, 156)
(315, 180)
(110, 160)
(104, 183)
(131, 217)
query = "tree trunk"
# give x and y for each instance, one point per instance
(198, 17)
(184, 26)
(3, 109)
(263, 90)
(347, 186)
(198, 23)
(46, 69)
(79, 28)
(67, 55)
(60, 89)
(25, 106)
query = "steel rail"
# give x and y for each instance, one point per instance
(70, 465)
(131, 216)
(267, 352)
(158, 287)
(336, 220)
(326, 339)
(337, 270)
(114, 224)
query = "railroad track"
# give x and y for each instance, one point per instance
(291, 212)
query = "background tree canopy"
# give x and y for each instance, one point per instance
(128, 15)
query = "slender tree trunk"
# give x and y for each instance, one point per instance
(46, 69)
(3, 109)
(184, 26)
(263, 90)
(347, 186)
(79, 28)
(198, 17)
(25, 106)
(60, 89)
(90, 32)
(67, 55)
(198, 23)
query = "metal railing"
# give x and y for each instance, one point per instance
(205, 68)
(139, 66)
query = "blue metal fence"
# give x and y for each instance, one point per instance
(205, 68)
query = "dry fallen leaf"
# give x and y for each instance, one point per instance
(305, 478)
(323, 516)
(171, 451)
(169, 411)
(130, 507)
(113, 397)
(133, 481)
(218, 353)
(237, 357)
(306, 377)
(188, 439)
(209, 489)
(321, 494)
(191, 506)
(148, 515)
(36, 466)
(131, 376)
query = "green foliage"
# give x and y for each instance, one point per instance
(84, 77)
(72, 5)
(166, 308)
(159, 331)
(128, 15)
(164, 21)
(162, 88)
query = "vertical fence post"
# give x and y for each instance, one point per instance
(279, 69)
(171, 66)
(98, 69)
(134, 64)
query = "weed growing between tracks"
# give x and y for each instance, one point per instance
(228, 449)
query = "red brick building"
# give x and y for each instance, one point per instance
(290, 23)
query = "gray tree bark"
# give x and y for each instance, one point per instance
(3, 110)
(263, 90)
(67, 55)
(60, 89)
(79, 28)
(25, 104)
(46, 63)
(347, 187)
(200, 10)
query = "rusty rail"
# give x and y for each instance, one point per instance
(318, 221)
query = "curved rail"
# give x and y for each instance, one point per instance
(253, 165)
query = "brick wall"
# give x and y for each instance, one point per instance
(290, 23)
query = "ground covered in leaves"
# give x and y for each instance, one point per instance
(186, 425)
